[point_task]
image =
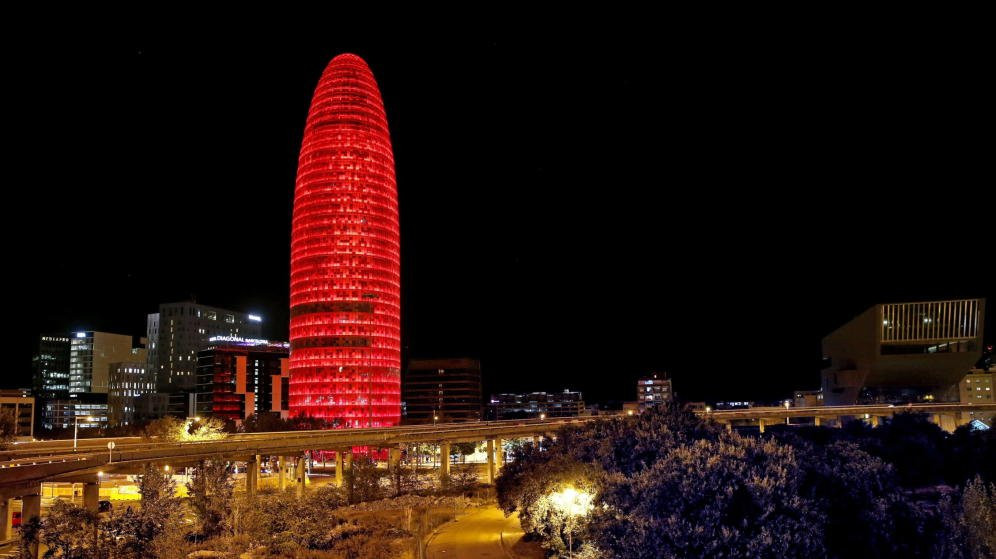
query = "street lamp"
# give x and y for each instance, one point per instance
(572, 504)
(76, 423)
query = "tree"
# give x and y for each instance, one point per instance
(135, 533)
(172, 429)
(167, 429)
(971, 522)
(266, 422)
(465, 449)
(210, 491)
(8, 427)
(404, 477)
(363, 480)
(668, 484)
(70, 532)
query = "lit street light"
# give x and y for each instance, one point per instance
(76, 423)
(572, 504)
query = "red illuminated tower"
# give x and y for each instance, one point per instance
(345, 293)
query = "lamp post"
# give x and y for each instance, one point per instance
(76, 423)
(572, 504)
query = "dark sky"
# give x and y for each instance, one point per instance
(578, 209)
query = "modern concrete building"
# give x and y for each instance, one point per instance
(90, 358)
(978, 387)
(442, 390)
(237, 378)
(22, 404)
(51, 366)
(536, 404)
(903, 352)
(807, 398)
(179, 330)
(654, 390)
(128, 381)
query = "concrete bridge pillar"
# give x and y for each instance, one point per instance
(338, 468)
(816, 421)
(760, 424)
(491, 461)
(31, 508)
(91, 496)
(729, 426)
(949, 422)
(252, 475)
(302, 475)
(282, 472)
(444, 463)
(536, 441)
(393, 458)
(873, 420)
(6, 519)
(500, 451)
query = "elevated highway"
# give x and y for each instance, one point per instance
(946, 415)
(27, 465)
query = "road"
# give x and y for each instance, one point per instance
(479, 536)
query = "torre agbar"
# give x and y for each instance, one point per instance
(345, 292)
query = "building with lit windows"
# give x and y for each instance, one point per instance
(90, 358)
(903, 352)
(442, 390)
(807, 398)
(654, 390)
(51, 366)
(22, 404)
(345, 268)
(978, 387)
(237, 378)
(91, 407)
(179, 330)
(536, 404)
(128, 382)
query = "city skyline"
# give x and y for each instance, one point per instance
(565, 219)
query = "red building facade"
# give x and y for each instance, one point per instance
(345, 293)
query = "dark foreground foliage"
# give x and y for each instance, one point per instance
(668, 484)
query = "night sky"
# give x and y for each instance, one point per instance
(577, 210)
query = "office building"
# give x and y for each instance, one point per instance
(152, 406)
(90, 407)
(654, 390)
(90, 358)
(903, 352)
(442, 390)
(536, 404)
(179, 330)
(22, 404)
(51, 366)
(128, 381)
(237, 378)
(345, 268)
